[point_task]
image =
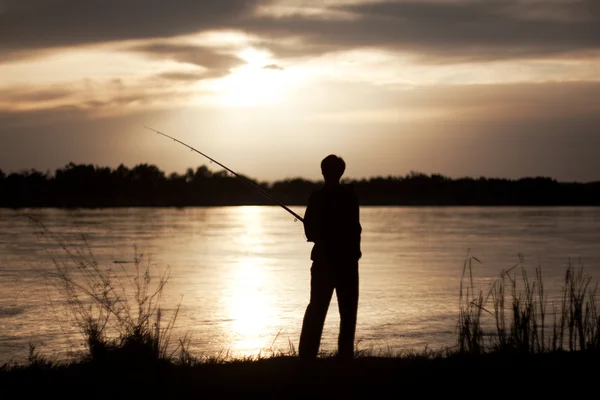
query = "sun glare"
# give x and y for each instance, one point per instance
(260, 82)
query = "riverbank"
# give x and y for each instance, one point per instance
(515, 375)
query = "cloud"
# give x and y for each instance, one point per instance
(214, 63)
(112, 96)
(15, 95)
(435, 30)
(193, 76)
(186, 53)
(482, 103)
(35, 24)
(447, 31)
(273, 67)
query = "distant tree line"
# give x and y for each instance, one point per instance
(87, 185)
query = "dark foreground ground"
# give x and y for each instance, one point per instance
(566, 375)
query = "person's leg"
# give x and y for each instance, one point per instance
(321, 290)
(347, 297)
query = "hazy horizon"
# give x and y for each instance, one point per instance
(464, 88)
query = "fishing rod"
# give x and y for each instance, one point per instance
(261, 190)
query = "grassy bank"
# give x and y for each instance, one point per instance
(286, 377)
(507, 336)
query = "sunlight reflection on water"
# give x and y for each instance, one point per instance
(242, 273)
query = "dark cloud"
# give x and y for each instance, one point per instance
(32, 24)
(273, 67)
(216, 63)
(440, 31)
(446, 31)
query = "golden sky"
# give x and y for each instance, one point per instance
(497, 88)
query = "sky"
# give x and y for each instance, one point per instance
(492, 88)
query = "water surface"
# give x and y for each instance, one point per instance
(241, 274)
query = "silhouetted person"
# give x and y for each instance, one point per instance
(332, 223)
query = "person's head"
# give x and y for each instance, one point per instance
(333, 168)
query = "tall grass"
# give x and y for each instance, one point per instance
(118, 313)
(518, 310)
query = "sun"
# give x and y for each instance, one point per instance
(259, 82)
